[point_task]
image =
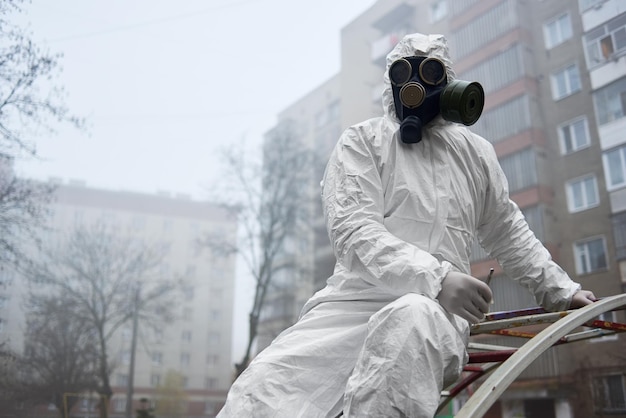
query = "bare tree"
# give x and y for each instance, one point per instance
(29, 101)
(30, 104)
(59, 357)
(23, 209)
(270, 198)
(98, 271)
(9, 405)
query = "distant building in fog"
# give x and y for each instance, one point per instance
(198, 346)
(554, 74)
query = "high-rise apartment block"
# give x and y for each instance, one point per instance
(196, 348)
(554, 74)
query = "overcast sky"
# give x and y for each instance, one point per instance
(163, 83)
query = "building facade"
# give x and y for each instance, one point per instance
(554, 74)
(190, 357)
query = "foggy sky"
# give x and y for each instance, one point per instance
(164, 83)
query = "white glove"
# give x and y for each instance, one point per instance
(582, 298)
(466, 296)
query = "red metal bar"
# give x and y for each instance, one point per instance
(490, 356)
(511, 333)
(613, 326)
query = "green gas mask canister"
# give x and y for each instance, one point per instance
(421, 91)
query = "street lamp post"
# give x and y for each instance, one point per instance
(133, 347)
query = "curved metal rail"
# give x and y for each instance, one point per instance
(496, 384)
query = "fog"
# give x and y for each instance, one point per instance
(164, 84)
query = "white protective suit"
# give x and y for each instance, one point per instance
(375, 342)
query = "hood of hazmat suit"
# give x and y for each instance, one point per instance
(401, 216)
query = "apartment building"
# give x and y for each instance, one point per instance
(315, 121)
(190, 357)
(554, 78)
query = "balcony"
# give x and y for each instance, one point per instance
(601, 12)
(382, 46)
(402, 13)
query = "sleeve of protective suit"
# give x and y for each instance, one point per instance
(354, 209)
(505, 235)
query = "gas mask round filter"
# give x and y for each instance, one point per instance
(421, 92)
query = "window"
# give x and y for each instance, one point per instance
(334, 110)
(610, 393)
(168, 225)
(119, 404)
(155, 380)
(214, 338)
(125, 357)
(590, 255)
(610, 101)
(210, 407)
(164, 246)
(215, 314)
(534, 218)
(188, 292)
(186, 336)
(185, 359)
(212, 359)
(210, 383)
(557, 30)
(582, 193)
(89, 404)
(574, 135)
(438, 10)
(122, 380)
(78, 216)
(520, 169)
(505, 120)
(127, 334)
(500, 70)
(565, 82)
(157, 358)
(190, 273)
(619, 234)
(321, 118)
(6, 279)
(487, 27)
(606, 42)
(615, 167)
(138, 223)
(588, 4)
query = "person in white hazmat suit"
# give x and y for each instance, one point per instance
(404, 197)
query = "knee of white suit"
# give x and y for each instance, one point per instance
(412, 351)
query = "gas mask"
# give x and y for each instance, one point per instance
(421, 92)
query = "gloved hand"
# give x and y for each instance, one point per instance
(582, 298)
(466, 296)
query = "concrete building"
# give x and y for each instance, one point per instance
(196, 348)
(554, 75)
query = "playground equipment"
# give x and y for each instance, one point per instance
(507, 363)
